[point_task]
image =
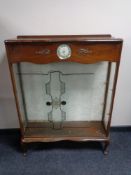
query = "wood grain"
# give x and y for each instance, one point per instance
(84, 131)
(28, 52)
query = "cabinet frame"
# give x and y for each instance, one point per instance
(107, 49)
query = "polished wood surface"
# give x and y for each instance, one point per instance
(61, 38)
(43, 53)
(76, 131)
(42, 49)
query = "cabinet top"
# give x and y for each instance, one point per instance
(64, 38)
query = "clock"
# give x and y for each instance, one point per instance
(63, 51)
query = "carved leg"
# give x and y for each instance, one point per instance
(24, 148)
(106, 147)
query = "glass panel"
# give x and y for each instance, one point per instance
(59, 92)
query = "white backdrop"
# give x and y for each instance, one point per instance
(66, 17)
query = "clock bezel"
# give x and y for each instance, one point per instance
(59, 54)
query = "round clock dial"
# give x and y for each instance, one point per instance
(63, 51)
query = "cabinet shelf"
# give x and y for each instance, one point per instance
(76, 131)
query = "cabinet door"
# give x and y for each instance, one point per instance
(62, 92)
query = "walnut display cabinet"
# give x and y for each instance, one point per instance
(64, 86)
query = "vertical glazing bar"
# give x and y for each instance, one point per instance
(113, 96)
(106, 91)
(22, 129)
(22, 91)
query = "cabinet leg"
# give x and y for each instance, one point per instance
(24, 148)
(106, 147)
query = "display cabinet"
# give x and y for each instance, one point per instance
(64, 86)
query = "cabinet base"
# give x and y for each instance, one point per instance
(24, 147)
(72, 131)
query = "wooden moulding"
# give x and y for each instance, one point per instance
(99, 48)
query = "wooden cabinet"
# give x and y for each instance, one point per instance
(64, 86)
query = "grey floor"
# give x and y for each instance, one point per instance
(66, 158)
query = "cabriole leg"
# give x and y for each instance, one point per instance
(106, 147)
(24, 148)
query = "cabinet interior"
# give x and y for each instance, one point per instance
(63, 95)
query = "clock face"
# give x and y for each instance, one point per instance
(63, 51)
